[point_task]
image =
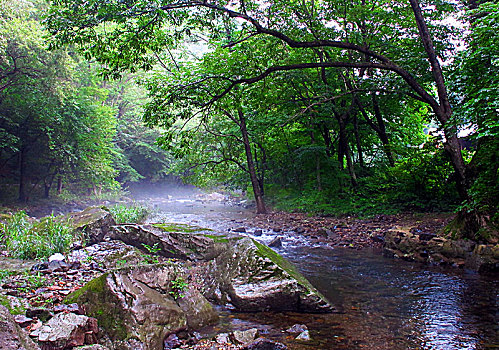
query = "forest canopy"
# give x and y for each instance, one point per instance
(327, 106)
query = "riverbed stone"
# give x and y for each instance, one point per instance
(264, 344)
(442, 250)
(243, 337)
(66, 330)
(12, 337)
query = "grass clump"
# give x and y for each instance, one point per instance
(30, 239)
(124, 214)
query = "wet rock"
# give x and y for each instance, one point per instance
(264, 344)
(441, 250)
(299, 230)
(243, 337)
(305, 336)
(198, 311)
(12, 337)
(252, 277)
(258, 232)
(172, 342)
(240, 230)
(276, 242)
(92, 347)
(222, 338)
(93, 222)
(66, 330)
(297, 328)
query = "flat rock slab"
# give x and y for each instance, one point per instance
(66, 330)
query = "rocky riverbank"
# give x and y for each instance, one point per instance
(149, 287)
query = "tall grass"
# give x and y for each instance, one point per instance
(135, 213)
(31, 239)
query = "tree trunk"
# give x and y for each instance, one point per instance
(22, 170)
(260, 204)
(357, 141)
(381, 131)
(443, 110)
(59, 184)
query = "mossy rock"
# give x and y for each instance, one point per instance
(252, 277)
(135, 303)
(182, 228)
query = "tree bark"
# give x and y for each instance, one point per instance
(260, 204)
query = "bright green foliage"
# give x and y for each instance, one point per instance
(135, 213)
(178, 285)
(26, 238)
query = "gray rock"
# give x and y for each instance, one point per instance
(252, 277)
(240, 230)
(135, 303)
(276, 242)
(66, 330)
(93, 222)
(12, 337)
(243, 337)
(297, 328)
(264, 344)
(258, 232)
(222, 338)
(305, 336)
(92, 347)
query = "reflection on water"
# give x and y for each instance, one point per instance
(404, 305)
(382, 303)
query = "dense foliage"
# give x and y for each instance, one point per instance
(327, 106)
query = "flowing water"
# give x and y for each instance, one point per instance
(381, 303)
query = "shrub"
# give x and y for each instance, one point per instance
(31, 239)
(129, 214)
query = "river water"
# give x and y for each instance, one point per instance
(381, 303)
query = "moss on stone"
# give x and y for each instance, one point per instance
(182, 228)
(101, 306)
(266, 252)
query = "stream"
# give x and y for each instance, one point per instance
(381, 303)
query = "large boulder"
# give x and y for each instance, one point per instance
(137, 305)
(232, 268)
(252, 277)
(93, 222)
(12, 337)
(180, 245)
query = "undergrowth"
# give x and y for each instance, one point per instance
(26, 238)
(124, 214)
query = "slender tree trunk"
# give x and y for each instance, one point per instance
(381, 131)
(260, 204)
(59, 184)
(443, 111)
(357, 141)
(22, 171)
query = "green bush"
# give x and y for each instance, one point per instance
(129, 214)
(31, 239)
